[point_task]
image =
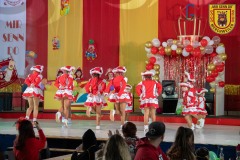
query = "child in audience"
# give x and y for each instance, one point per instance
(34, 93)
(148, 91)
(64, 83)
(95, 100)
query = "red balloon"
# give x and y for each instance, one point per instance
(189, 48)
(152, 60)
(221, 84)
(222, 64)
(204, 42)
(162, 52)
(173, 53)
(219, 68)
(214, 74)
(196, 52)
(154, 50)
(213, 54)
(209, 79)
(149, 66)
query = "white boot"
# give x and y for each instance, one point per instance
(193, 126)
(97, 127)
(65, 122)
(145, 128)
(57, 117)
(202, 122)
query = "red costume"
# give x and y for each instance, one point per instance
(148, 91)
(33, 82)
(64, 83)
(95, 88)
(32, 147)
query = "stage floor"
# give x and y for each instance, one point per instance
(210, 134)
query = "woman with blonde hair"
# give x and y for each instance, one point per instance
(116, 148)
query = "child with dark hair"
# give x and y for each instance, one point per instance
(183, 146)
(89, 147)
(26, 145)
(202, 153)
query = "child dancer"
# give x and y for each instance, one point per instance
(148, 91)
(120, 96)
(189, 100)
(129, 106)
(201, 107)
(59, 114)
(33, 93)
(95, 88)
(64, 83)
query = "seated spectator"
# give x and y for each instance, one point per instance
(148, 148)
(88, 147)
(183, 146)
(26, 145)
(202, 153)
(129, 131)
(116, 149)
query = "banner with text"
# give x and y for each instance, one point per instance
(13, 32)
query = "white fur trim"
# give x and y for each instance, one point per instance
(189, 77)
(147, 73)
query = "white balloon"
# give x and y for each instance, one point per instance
(220, 49)
(207, 38)
(185, 53)
(149, 55)
(156, 42)
(211, 42)
(164, 44)
(195, 44)
(218, 79)
(148, 50)
(174, 47)
(186, 42)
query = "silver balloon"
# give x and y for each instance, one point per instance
(170, 42)
(216, 40)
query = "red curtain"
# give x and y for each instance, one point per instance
(101, 24)
(168, 14)
(37, 31)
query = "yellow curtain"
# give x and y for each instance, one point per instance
(68, 29)
(138, 24)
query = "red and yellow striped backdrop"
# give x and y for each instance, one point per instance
(119, 28)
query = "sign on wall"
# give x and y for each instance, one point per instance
(222, 18)
(13, 32)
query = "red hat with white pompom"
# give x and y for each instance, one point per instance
(147, 73)
(201, 91)
(97, 70)
(38, 68)
(121, 69)
(190, 77)
(68, 68)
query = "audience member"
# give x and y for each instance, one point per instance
(88, 147)
(148, 148)
(183, 146)
(202, 153)
(116, 149)
(26, 145)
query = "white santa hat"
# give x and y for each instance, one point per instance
(186, 85)
(201, 91)
(121, 69)
(190, 77)
(146, 73)
(97, 70)
(67, 68)
(38, 68)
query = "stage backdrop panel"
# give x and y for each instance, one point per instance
(13, 33)
(101, 24)
(68, 29)
(138, 24)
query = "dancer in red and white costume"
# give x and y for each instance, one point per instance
(201, 107)
(129, 106)
(119, 96)
(148, 91)
(95, 88)
(34, 93)
(64, 83)
(190, 108)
